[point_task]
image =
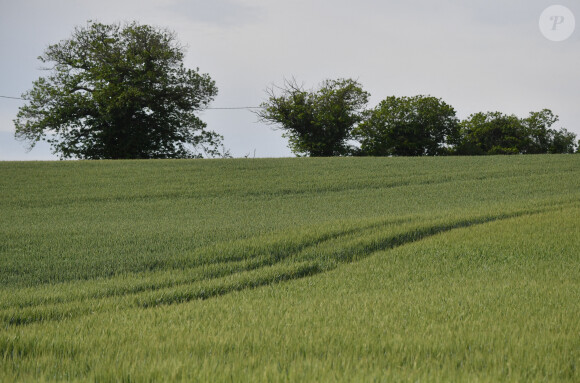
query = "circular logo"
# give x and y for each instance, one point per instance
(557, 23)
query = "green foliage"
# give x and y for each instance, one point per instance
(408, 126)
(497, 133)
(492, 133)
(316, 123)
(321, 123)
(562, 141)
(119, 92)
(537, 126)
(320, 269)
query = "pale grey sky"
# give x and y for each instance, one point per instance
(477, 55)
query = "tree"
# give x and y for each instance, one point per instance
(408, 126)
(316, 123)
(119, 92)
(537, 126)
(492, 133)
(498, 133)
(563, 142)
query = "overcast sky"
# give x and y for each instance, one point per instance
(477, 55)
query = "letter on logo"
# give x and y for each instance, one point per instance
(557, 21)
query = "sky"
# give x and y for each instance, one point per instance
(476, 55)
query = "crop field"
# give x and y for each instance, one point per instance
(339, 269)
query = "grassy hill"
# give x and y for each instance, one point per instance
(430, 269)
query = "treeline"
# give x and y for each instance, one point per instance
(121, 91)
(333, 120)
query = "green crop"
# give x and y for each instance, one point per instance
(349, 269)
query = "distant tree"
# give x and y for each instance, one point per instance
(119, 92)
(408, 126)
(317, 123)
(562, 141)
(538, 130)
(498, 133)
(492, 133)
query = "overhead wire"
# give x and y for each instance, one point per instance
(14, 98)
(210, 108)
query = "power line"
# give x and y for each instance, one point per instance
(14, 98)
(234, 108)
(211, 108)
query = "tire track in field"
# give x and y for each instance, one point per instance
(313, 258)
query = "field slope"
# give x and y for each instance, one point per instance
(349, 269)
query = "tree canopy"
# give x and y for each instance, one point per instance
(543, 139)
(499, 133)
(317, 123)
(119, 91)
(491, 133)
(331, 120)
(408, 126)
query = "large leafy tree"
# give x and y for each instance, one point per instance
(119, 91)
(317, 123)
(408, 126)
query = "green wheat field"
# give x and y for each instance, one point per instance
(304, 269)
